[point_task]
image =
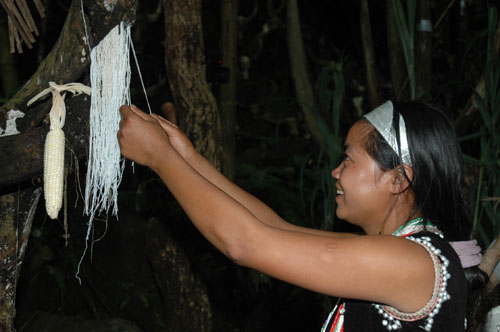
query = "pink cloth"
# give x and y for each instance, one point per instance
(468, 252)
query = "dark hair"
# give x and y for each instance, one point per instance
(437, 178)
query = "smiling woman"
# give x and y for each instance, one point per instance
(402, 275)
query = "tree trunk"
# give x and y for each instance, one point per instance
(184, 57)
(187, 307)
(304, 90)
(227, 97)
(16, 215)
(369, 55)
(423, 52)
(396, 57)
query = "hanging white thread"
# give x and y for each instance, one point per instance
(139, 72)
(110, 82)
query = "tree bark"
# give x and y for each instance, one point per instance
(227, 97)
(423, 51)
(16, 215)
(187, 307)
(304, 90)
(186, 70)
(396, 58)
(369, 55)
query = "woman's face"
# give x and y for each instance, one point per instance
(363, 189)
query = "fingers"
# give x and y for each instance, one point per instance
(169, 112)
(127, 111)
(140, 113)
(163, 122)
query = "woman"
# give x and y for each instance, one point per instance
(399, 181)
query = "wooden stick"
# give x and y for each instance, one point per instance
(19, 23)
(12, 44)
(15, 23)
(25, 11)
(39, 7)
(15, 37)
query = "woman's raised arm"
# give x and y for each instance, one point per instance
(374, 268)
(258, 208)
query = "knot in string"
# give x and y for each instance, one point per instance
(57, 113)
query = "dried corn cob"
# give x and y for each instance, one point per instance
(53, 173)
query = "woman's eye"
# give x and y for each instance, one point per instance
(346, 157)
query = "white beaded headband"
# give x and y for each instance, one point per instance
(381, 119)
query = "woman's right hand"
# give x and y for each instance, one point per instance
(178, 139)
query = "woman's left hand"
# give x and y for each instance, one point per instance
(141, 137)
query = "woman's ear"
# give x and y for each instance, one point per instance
(403, 176)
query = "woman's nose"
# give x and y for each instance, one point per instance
(336, 171)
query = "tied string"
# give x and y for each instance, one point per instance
(57, 113)
(468, 252)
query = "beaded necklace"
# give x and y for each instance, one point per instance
(414, 226)
(391, 317)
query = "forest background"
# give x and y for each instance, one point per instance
(285, 80)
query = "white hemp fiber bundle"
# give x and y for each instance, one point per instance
(110, 82)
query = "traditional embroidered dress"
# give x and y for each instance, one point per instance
(444, 312)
